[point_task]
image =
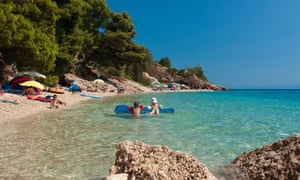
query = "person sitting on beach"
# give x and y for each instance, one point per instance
(154, 107)
(136, 109)
(55, 102)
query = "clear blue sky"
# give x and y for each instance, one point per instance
(238, 43)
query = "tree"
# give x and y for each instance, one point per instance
(173, 72)
(165, 62)
(197, 71)
(27, 35)
(4, 71)
(54, 36)
(117, 48)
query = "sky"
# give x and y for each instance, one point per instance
(238, 43)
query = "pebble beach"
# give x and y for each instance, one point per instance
(13, 106)
(22, 107)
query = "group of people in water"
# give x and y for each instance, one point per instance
(137, 108)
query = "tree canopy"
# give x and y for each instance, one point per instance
(54, 36)
(27, 35)
(165, 62)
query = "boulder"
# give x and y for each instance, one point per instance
(280, 160)
(142, 161)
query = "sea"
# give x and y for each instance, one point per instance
(80, 142)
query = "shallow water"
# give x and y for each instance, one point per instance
(79, 143)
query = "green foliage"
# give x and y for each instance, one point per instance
(165, 62)
(62, 66)
(77, 30)
(173, 72)
(55, 36)
(112, 71)
(50, 80)
(197, 71)
(23, 40)
(117, 48)
(181, 72)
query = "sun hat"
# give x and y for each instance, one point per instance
(154, 100)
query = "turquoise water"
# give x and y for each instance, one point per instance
(214, 127)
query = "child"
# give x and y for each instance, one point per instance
(154, 107)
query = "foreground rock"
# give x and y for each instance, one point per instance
(141, 161)
(280, 160)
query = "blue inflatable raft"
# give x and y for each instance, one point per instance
(123, 109)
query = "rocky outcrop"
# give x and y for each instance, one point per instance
(280, 160)
(85, 85)
(128, 85)
(149, 78)
(110, 85)
(160, 73)
(141, 161)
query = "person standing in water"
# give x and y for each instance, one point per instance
(154, 107)
(136, 109)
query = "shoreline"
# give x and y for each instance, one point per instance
(25, 107)
(14, 107)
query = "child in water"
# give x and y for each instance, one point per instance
(154, 107)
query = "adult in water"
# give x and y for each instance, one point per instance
(136, 109)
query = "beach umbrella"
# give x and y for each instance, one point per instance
(32, 74)
(17, 80)
(33, 84)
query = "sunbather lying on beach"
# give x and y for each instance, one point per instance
(42, 98)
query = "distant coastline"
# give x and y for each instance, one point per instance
(268, 87)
